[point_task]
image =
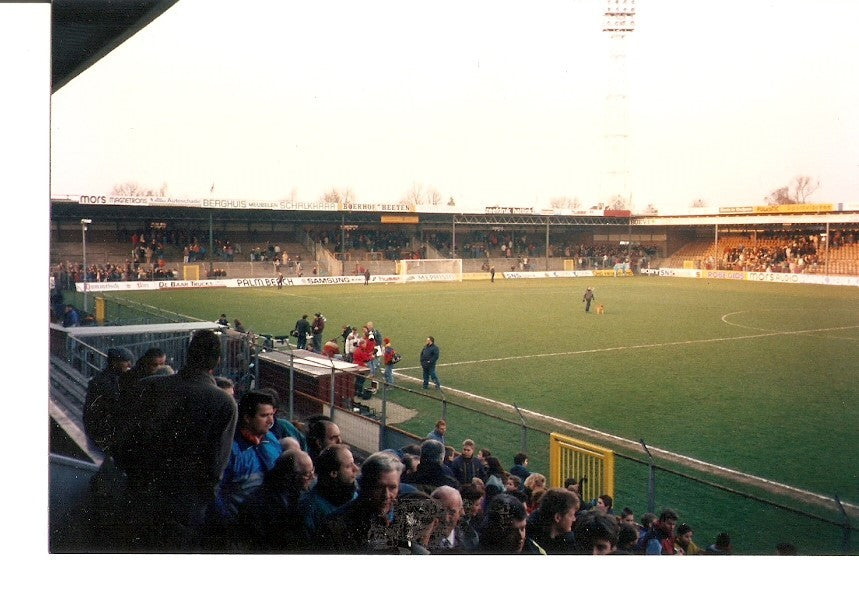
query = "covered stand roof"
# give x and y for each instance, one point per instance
(84, 31)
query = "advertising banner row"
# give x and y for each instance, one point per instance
(709, 274)
(257, 282)
(322, 205)
(754, 276)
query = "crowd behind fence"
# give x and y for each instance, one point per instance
(395, 416)
(641, 482)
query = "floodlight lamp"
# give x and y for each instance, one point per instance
(86, 221)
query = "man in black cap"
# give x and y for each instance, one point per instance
(102, 397)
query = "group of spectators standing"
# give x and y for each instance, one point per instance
(603, 256)
(66, 273)
(522, 247)
(793, 255)
(392, 244)
(189, 469)
(363, 346)
(366, 347)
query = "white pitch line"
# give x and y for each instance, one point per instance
(764, 329)
(644, 346)
(733, 313)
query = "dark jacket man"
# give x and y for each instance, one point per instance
(302, 328)
(430, 472)
(173, 447)
(102, 397)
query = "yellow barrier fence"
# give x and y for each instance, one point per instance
(572, 458)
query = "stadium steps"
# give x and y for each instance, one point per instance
(66, 395)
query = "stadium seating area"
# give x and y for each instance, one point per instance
(797, 252)
(156, 254)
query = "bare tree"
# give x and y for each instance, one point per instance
(331, 197)
(132, 188)
(415, 195)
(779, 196)
(433, 197)
(651, 210)
(618, 203)
(337, 196)
(803, 187)
(565, 202)
(129, 188)
(418, 195)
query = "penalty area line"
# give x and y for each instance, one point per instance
(644, 346)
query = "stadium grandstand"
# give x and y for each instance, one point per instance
(149, 241)
(200, 243)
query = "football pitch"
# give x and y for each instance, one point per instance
(756, 377)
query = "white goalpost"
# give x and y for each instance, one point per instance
(415, 270)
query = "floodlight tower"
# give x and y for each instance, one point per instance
(618, 22)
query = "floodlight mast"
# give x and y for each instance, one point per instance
(618, 21)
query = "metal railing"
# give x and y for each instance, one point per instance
(393, 415)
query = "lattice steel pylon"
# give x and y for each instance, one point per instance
(618, 22)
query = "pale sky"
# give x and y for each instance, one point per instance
(487, 102)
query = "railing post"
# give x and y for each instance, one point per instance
(332, 387)
(383, 433)
(845, 528)
(651, 480)
(291, 384)
(523, 439)
(255, 357)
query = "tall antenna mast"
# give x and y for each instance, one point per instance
(618, 22)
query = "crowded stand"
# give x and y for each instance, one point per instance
(193, 466)
(796, 252)
(157, 252)
(791, 255)
(389, 245)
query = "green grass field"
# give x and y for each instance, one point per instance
(760, 378)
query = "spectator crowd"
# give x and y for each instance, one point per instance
(193, 467)
(788, 255)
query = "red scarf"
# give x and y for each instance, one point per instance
(253, 439)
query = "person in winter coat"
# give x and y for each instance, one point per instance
(301, 330)
(387, 360)
(429, 358)
(467, 466)
(587, 298)
(316, 330)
